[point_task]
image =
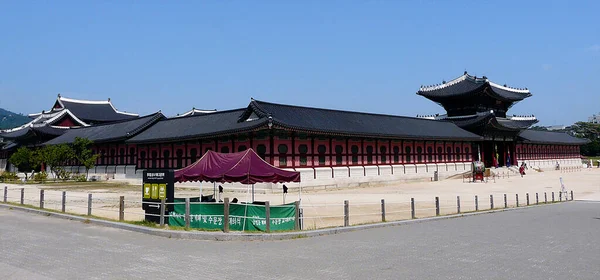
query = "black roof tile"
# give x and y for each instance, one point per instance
(31, 131)
(550, 137)
(488, 118)
(467, 85)
(197, 126)
(359, 124)
(108, 132)
(95, 112)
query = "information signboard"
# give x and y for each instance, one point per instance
(157, 184)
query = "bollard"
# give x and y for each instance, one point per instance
(383, 210)
(64, 201)
(458, 204)
(42, 199)
(505, 202)
(122, 208)
(560, 196)
(346, 213)
(571, 195)
(412, 208)
(527, 198)
(162, 213)
(226, 215)
(517, 195)
(187, 213)
(552, 196)
(437, 206)
(545, 197)
(89, 204)
(491, 201)
(476, 204)
(537, 200)
(297, 223)
(5, 194)
(22, 195)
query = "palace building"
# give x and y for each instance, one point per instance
(329, 147)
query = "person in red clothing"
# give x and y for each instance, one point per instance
(522, 169)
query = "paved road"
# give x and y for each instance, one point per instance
(549, 242)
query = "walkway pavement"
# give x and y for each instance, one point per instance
(551, 242)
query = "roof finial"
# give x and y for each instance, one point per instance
(59, 95)
(109, 99)
(465, 72)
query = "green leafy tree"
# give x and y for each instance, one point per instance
(24, 160)
(590, 131)
(55, 156)
(83, 153)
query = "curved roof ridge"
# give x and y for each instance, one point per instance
(82, 101)
(93, 102)
(337, 110)
(204, 115)
(444, 84)
(507, 88)
(195, 110)
(121, 121)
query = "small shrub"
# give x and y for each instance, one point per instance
(79, 178)
(40, 177)
(63, 174)
(8, 176)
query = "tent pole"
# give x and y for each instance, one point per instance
(252, 193)
(200, 191)
(214, 189)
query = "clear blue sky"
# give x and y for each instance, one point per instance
(356, 55)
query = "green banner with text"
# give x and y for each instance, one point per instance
(242, 217)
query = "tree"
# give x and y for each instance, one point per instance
(83, 153)
(24, 160)
(55, 156)
(590, 131)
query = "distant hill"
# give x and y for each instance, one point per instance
(9, 119)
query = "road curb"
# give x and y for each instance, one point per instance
(238, 236)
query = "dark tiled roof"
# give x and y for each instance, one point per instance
(16, 133)
(488, 118)
(95, 112)
(198, 126)
(467, 85)
(31, 131)
(358, 124)
(549, 137)
(9, 145)
(516, 124)
(108, 132)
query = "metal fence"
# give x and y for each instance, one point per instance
(310, 216)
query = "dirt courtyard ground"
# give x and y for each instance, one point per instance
(325, 208)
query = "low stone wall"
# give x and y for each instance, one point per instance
(335, 177)
(550, 164)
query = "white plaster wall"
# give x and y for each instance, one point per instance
(421, 169)
(357, 171)
(398, 170)
(385, 170)
(371, 171)
(340, 172)
(323, 173)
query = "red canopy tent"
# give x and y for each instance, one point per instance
(243, 167)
